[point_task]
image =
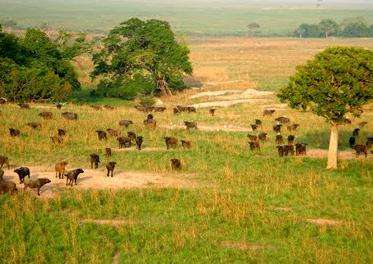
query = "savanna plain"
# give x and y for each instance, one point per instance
(227, 205)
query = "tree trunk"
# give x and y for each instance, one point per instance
(333, 147)
(162, 85)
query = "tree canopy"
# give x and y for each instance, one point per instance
(334, 85)
(34, 67)
(144, 53)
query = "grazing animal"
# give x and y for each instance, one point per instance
(95, 160)
(277, 128)
(283, 120)
(252, 137)
(58, 106)
(268, 112)
(186, 144)
(60, 169)
(3, 100)
(175, 164)
(279, 139)
(96, 107)
(301, 149)
(113, 132)
(57, 139)
(361, 150)
(212, 111)
(262, 136)
(293, 127)
(108, 152)
(14, 132)
(139, 141)
(356, 132)
(7, 187)
(352, 142)
(24, 106)
(190, 125)
(72, 176)
(124, 142)
(171, 142)
(46, 115)
(176, 111)
(281, 150)
(289, 150)
(254, 145)
(150, 121)
(291, 139)
(109, 107)
(101, 135)
(125, 123)
(61, 132)
(4, 160)
(34, 125)
(131, 135)
(159, 108)
(22, 172)
(363, 124)
(36, 184)
(254, 127)
(188, 109)
(70, 116)
(258, 122)
(110, 168)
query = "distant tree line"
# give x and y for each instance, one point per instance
(351, 28)
(34, 66)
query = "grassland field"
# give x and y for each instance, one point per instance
(247, 207)
(186, 17)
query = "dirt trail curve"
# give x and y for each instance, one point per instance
(97, 180)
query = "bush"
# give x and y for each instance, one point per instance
(125, 89)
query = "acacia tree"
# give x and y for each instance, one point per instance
(335, 84)
(253, 28)
(143, 48)
(328, 27)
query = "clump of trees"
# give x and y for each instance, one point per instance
(334, 85)
(35, 67)
(354, 27)
(141, 57)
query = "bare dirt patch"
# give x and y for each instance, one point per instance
(228, 103)
(214, 93)
(323, 153)
(97, 180)
(245, 245)
(324, 222)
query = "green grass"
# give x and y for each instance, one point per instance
(185, 17)
(236, 200)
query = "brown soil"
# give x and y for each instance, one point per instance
(96, 179)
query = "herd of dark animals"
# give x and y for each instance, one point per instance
(289, 149)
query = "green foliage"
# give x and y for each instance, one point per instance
(124, 88)
(34, 67)
(329, 27)
(336, 83)
(146, 100)
(144, 50)
(352, 28)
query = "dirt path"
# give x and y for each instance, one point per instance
(343, 155)
(97, 180)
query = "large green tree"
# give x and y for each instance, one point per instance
(143, 50)
(34, 67)
(334, 85)
(329, 27)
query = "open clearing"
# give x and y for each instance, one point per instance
(227, 204)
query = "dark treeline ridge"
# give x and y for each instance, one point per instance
(350, 28)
